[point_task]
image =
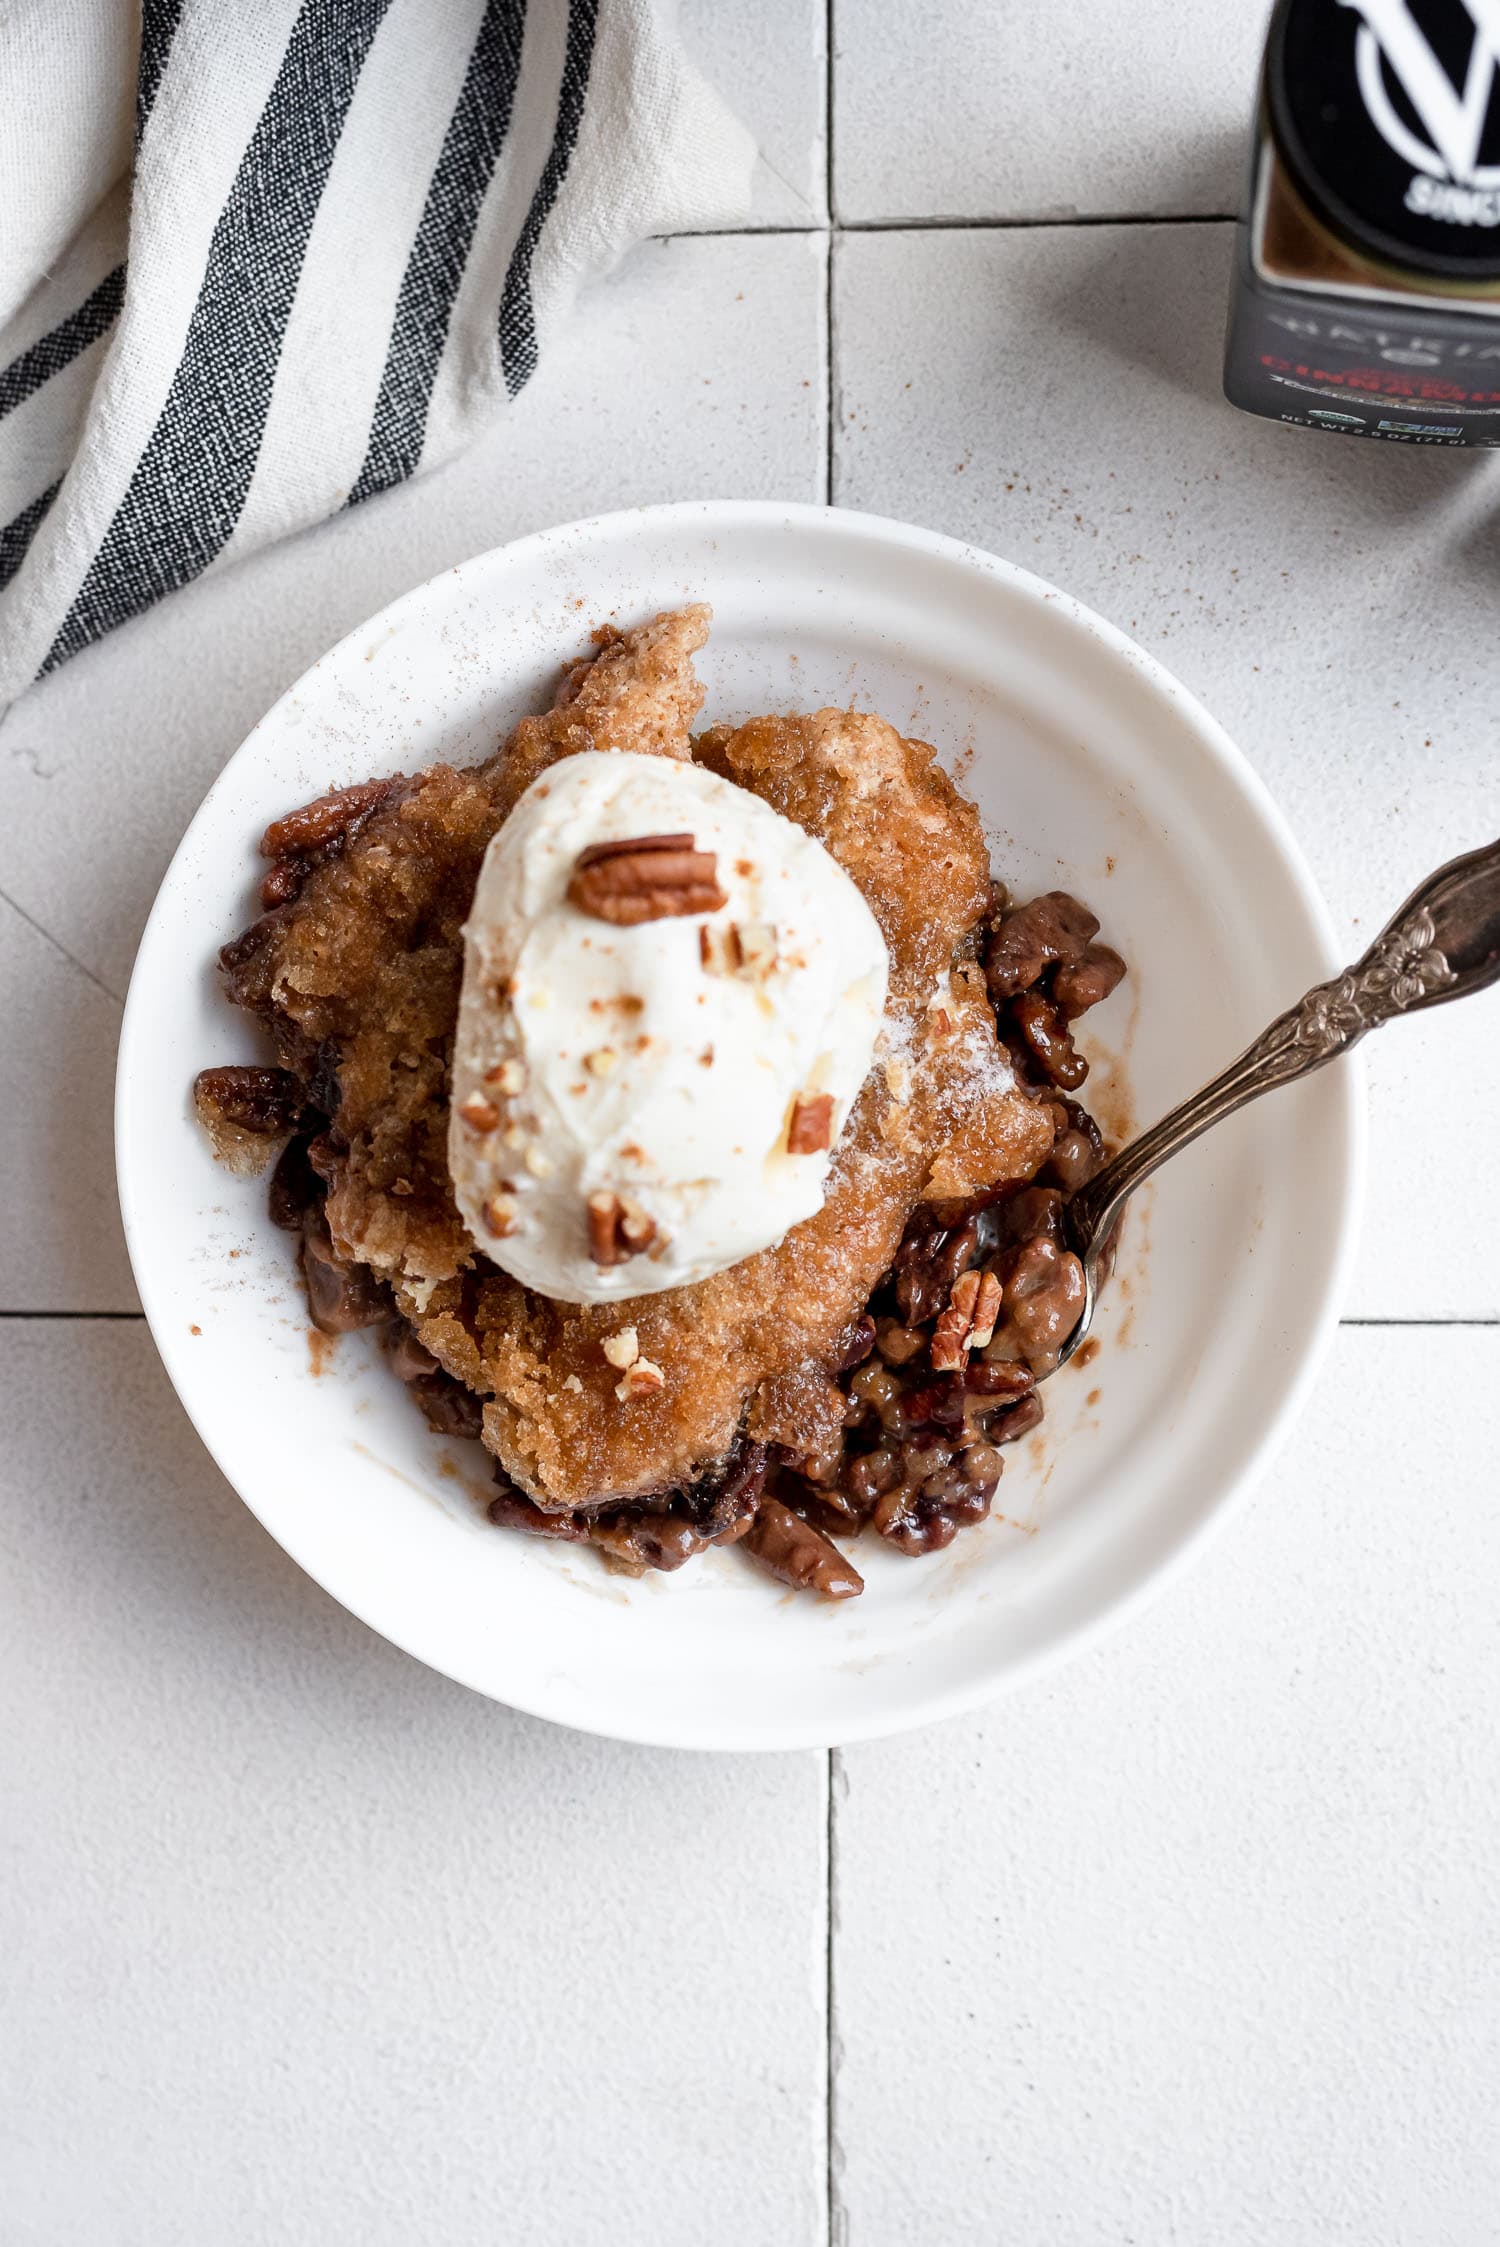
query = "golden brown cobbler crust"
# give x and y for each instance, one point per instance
(359, 978)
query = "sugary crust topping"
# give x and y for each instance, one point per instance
(358, 977)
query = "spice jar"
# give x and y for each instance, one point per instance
(1366, 294)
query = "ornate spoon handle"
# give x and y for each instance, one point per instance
(1443, 944)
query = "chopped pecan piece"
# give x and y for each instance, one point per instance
(284, 882)
(478, 1113)
(637, 1230)
(1023, 1416)
(641, 1378)
(605, 1245)
(724, 1511)
(811, 1128)
(655, 878)
(409, 1360)
(236, 955)
(1087, 982)
(756, 944)
(738, 948)
(998, 1377)
(447, 1406)
(295, 1187)
(512, 1509)
(1044, 1296)
(790, 1548)
(1044, 1030)
(634, 1542)
(898, 1344)
(618, 1229)
(341, 1296)
(854, 1344)
(1026, 942)
(265, 1101)
(499, 1214)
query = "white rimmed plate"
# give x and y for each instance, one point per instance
(1095, 771)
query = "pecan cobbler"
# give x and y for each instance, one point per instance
(692, 1113)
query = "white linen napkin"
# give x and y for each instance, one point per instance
(334, 247)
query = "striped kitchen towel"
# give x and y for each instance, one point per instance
(321, 248)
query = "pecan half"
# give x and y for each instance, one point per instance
(968, 1322)
(596, 853)
(986, 1309)
(654, 878)
(321, 821)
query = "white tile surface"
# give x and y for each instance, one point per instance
(1053, 395)
(60, 1245)
(966, 109)
(1195, 1943)
(769, 63)
(702, 376)
(301, 1943)
(1198, 1943)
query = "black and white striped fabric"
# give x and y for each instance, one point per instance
(292, 252)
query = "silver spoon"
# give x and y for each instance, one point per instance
(1443, 944)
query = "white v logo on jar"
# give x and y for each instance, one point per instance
(1454, 122)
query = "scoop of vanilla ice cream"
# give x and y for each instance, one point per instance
(636, 1092)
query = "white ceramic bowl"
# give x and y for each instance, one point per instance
(1095, 771)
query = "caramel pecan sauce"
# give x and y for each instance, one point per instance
(867, 1369)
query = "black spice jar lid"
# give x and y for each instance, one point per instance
(1387, 115)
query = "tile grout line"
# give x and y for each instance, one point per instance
(61, 949)
(951, 225)
(836, 2221)
(830, 383)
(1021, 224)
